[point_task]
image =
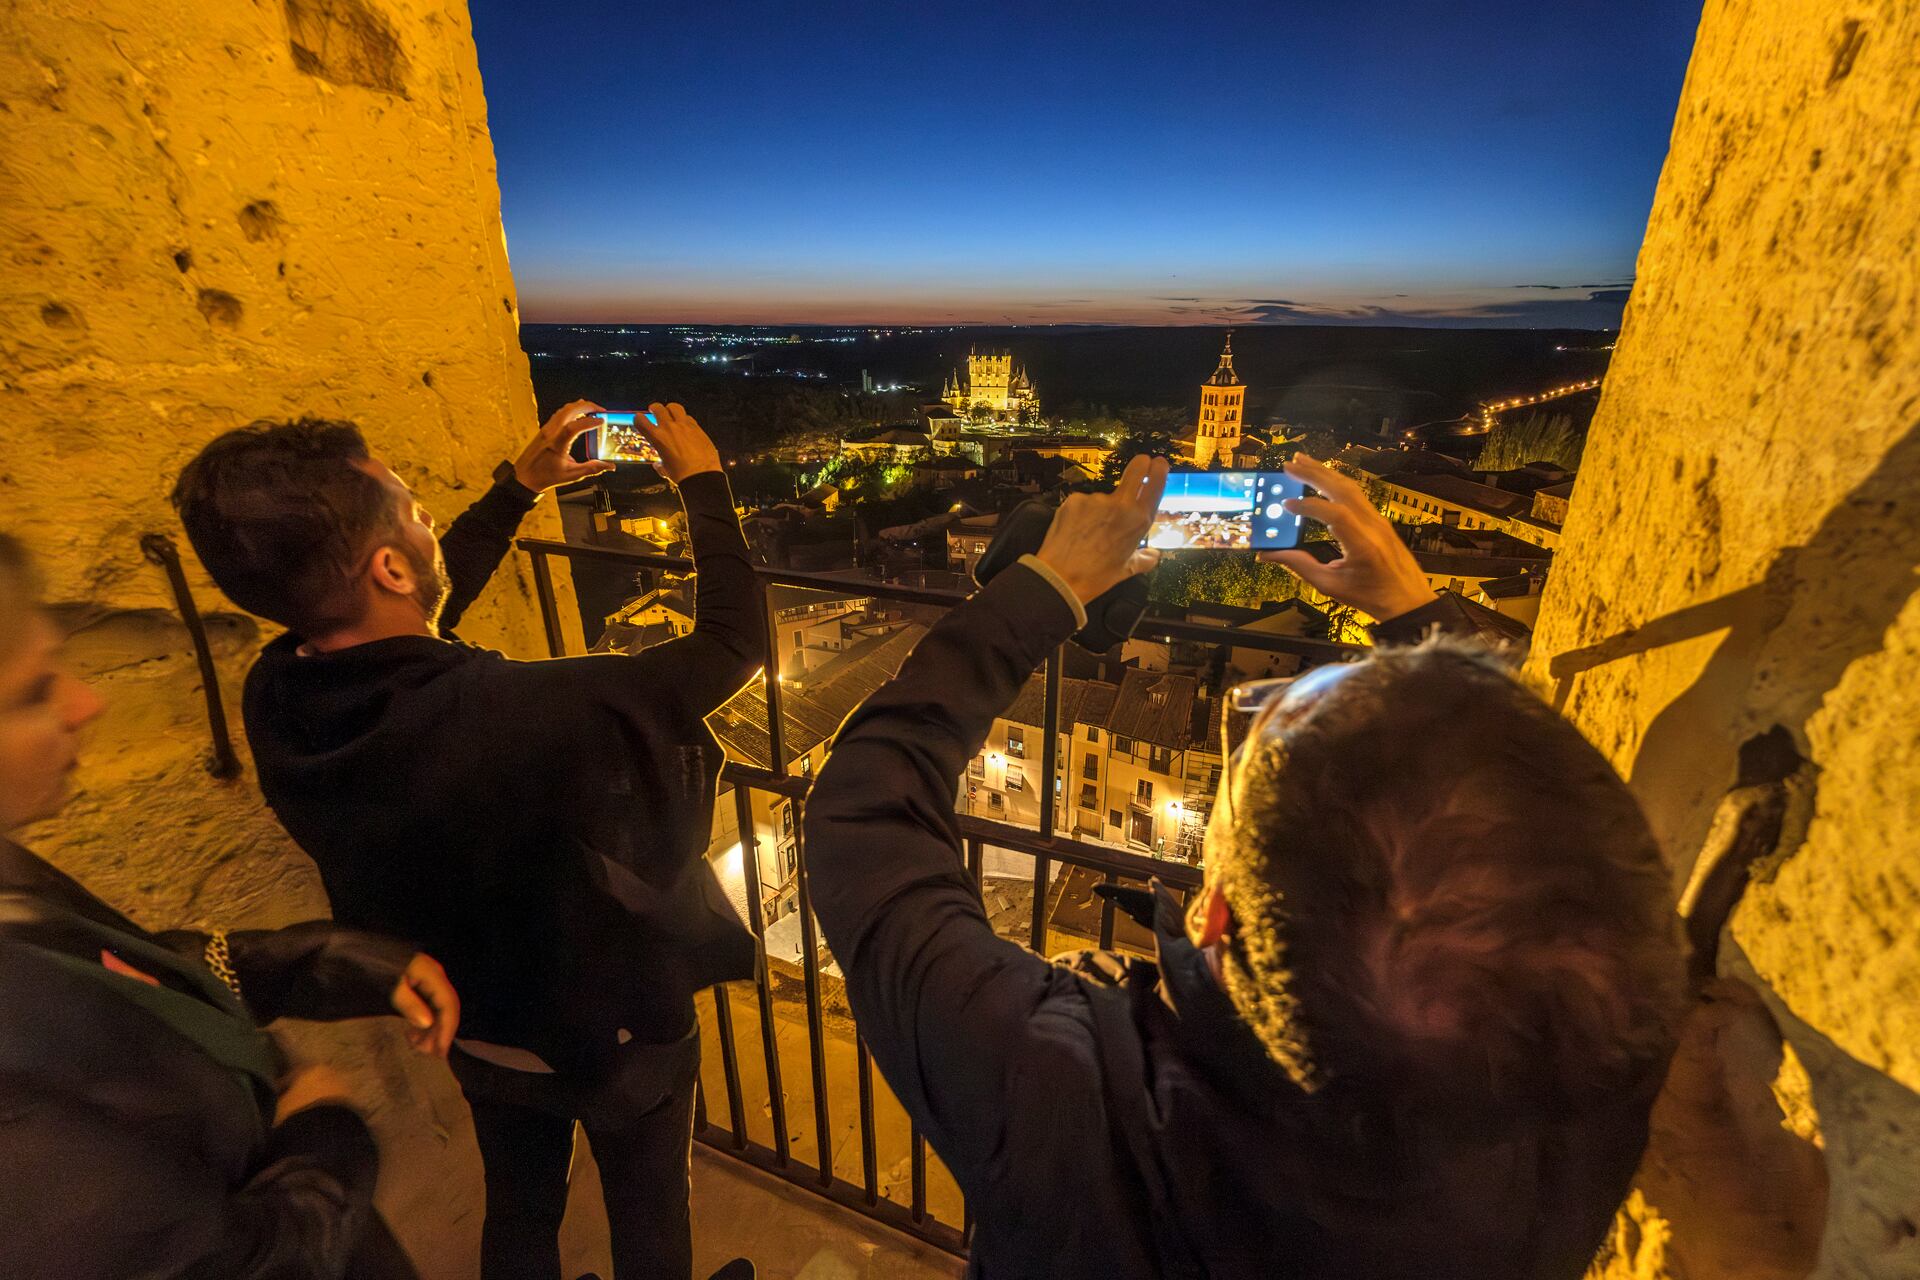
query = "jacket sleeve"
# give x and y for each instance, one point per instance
(85, 1196)
(950, 1010)
(317, 970)
(728, 642)
(475, 543)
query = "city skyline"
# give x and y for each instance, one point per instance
(1211, 165)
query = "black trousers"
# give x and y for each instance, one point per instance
(643, 1152)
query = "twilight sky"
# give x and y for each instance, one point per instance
(1484, 162)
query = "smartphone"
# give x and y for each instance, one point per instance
(618, 438)
(1227, 511)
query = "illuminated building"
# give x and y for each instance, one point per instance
(1217, 431)
(993, 388)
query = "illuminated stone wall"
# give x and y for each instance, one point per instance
(1742, 548)
(209, 213)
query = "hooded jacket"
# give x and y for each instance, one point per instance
(537, 826)
(1109, 1117)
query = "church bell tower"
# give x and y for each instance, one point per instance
(1216, 436)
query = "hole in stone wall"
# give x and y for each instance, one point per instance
(220, 307)
(261, 220)
(346, 42)
(183, 259)
(427, 377)
(58, 315)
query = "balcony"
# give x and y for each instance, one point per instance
(802, 1147)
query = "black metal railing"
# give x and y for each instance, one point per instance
(1043, 845)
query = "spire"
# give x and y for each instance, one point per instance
(1224, 376)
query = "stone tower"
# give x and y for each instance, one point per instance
(1216, 435)
(988, 374)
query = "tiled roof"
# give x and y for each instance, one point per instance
(1466, 493)
(1492, 620)
(1513, 586)
(1156, 707)
(1081, 702)
(1466, 564)
(812, 714)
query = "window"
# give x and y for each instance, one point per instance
(1113, 817)
(1016, 742)
(1091, 769)
(1093, 734)
(1123, 744)
(977, 768)
(1160, 760)
(806, 766)
(1089, 797)
(1016, 781)
(786, 822)
(1143, 792)
(996, 802)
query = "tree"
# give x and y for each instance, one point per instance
(765, 482)
(1221, 577)
(1537, 437)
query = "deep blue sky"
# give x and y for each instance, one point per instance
(1172, 162)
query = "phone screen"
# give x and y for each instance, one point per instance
(1227, 511)
(618, 439)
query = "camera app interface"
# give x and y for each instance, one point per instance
(1226, 511)
(620, 440)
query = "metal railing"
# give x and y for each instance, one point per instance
(1044, 846)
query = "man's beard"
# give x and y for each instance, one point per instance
(431, 595)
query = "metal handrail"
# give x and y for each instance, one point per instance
(1045, 846)
(1149, 627)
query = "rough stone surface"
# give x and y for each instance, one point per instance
(1742, 547)
(208, 214)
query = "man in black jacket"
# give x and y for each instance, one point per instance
(149, 1126)
(539, 825)
(1410, 1026)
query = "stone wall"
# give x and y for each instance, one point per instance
(1742, 548)
(210, 213)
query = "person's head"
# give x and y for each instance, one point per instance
(299, 524)
(42, 707)
(1428, 890)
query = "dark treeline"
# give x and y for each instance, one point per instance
(1346, 378)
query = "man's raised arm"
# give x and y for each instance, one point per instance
(944, 1003)
(728, 643)
(479, 537)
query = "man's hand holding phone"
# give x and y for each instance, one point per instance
(546, 462)
(1094, 540)
(1375, 572)
(684, 448)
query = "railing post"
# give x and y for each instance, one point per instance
(1106, 919)
(1050, 749)
(918, 1144)
(763, 985)
(159, 549)
(770, 674)
(869, 1149)
(730, 1066)
(549, 611)
(816, 1028)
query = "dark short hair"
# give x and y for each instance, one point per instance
(1445, 898)
(281, 517)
